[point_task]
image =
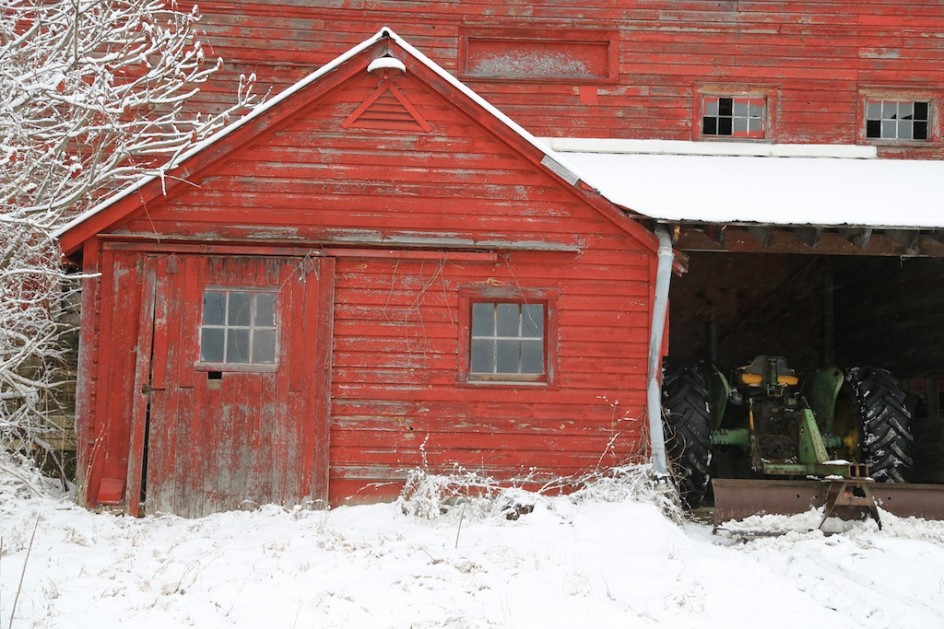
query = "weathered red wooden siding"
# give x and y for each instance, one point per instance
(109, 340)
(818, 59)
(396, 399)
(313, 181)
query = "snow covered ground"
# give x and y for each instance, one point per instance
(598, 558)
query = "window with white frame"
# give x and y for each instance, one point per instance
(238, 327)
(734, 116)
(897, 119)
(507, 341)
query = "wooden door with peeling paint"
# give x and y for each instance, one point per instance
(236, 384)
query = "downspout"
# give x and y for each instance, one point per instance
(654, 390)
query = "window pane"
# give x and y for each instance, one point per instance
(740, 125)
(921, 111)
(873, 129)
(532, 320)
(920, 130)
(889, 129)
(483, 356)
(754, 125)
(905, 111)
(214, 308)
(263, 346)
(532, 357)
(508, 356)
(483, 320)
(265, 309)
(757, 109)
(874, 111)
(237, 346)
(889, 109)
(211, 345)
(904, 129)
(740, 108)
(710, 126)
(711, 106)
(239, 309)
(725, 106)
(724, 126)
(507, 316)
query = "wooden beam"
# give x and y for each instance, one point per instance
(931, 245)
(809, 240)
(937, 235)
(761, 234)
(716, 232)
(860, 237)
(907, 238)
(809, 235)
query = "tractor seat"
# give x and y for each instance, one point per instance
(754, 373)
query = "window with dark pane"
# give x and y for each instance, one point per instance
(734, 116)
(238, 327)
(507, 341)
(897, 120)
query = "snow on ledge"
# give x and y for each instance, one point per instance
(732, 149)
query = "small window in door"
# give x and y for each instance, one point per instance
(239, 327)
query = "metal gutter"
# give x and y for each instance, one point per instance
(654, 388)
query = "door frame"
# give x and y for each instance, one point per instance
(317, 358)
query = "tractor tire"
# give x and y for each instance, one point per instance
(884, 423)
(687, 421)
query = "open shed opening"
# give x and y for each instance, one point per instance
(815, 310)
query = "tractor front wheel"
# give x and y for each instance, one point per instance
(687, 422)
(872, 402)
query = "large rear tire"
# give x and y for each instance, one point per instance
(883, 421)
(687, 420)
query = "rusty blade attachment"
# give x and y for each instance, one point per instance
(736, 499)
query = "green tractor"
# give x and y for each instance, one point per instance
(764, 423)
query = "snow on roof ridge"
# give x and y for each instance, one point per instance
(728, 149)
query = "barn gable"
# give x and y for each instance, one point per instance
(376, 272)
(351, 99)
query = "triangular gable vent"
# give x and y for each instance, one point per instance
(387, 108)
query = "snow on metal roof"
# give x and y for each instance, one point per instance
(829, 186)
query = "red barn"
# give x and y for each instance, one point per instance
(797, 72)
(375, 272)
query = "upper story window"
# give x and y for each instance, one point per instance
(897, 120)
(238, 327)
(734, 116)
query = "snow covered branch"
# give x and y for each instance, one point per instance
(93, 94)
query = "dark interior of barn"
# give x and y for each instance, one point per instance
(816, 310)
